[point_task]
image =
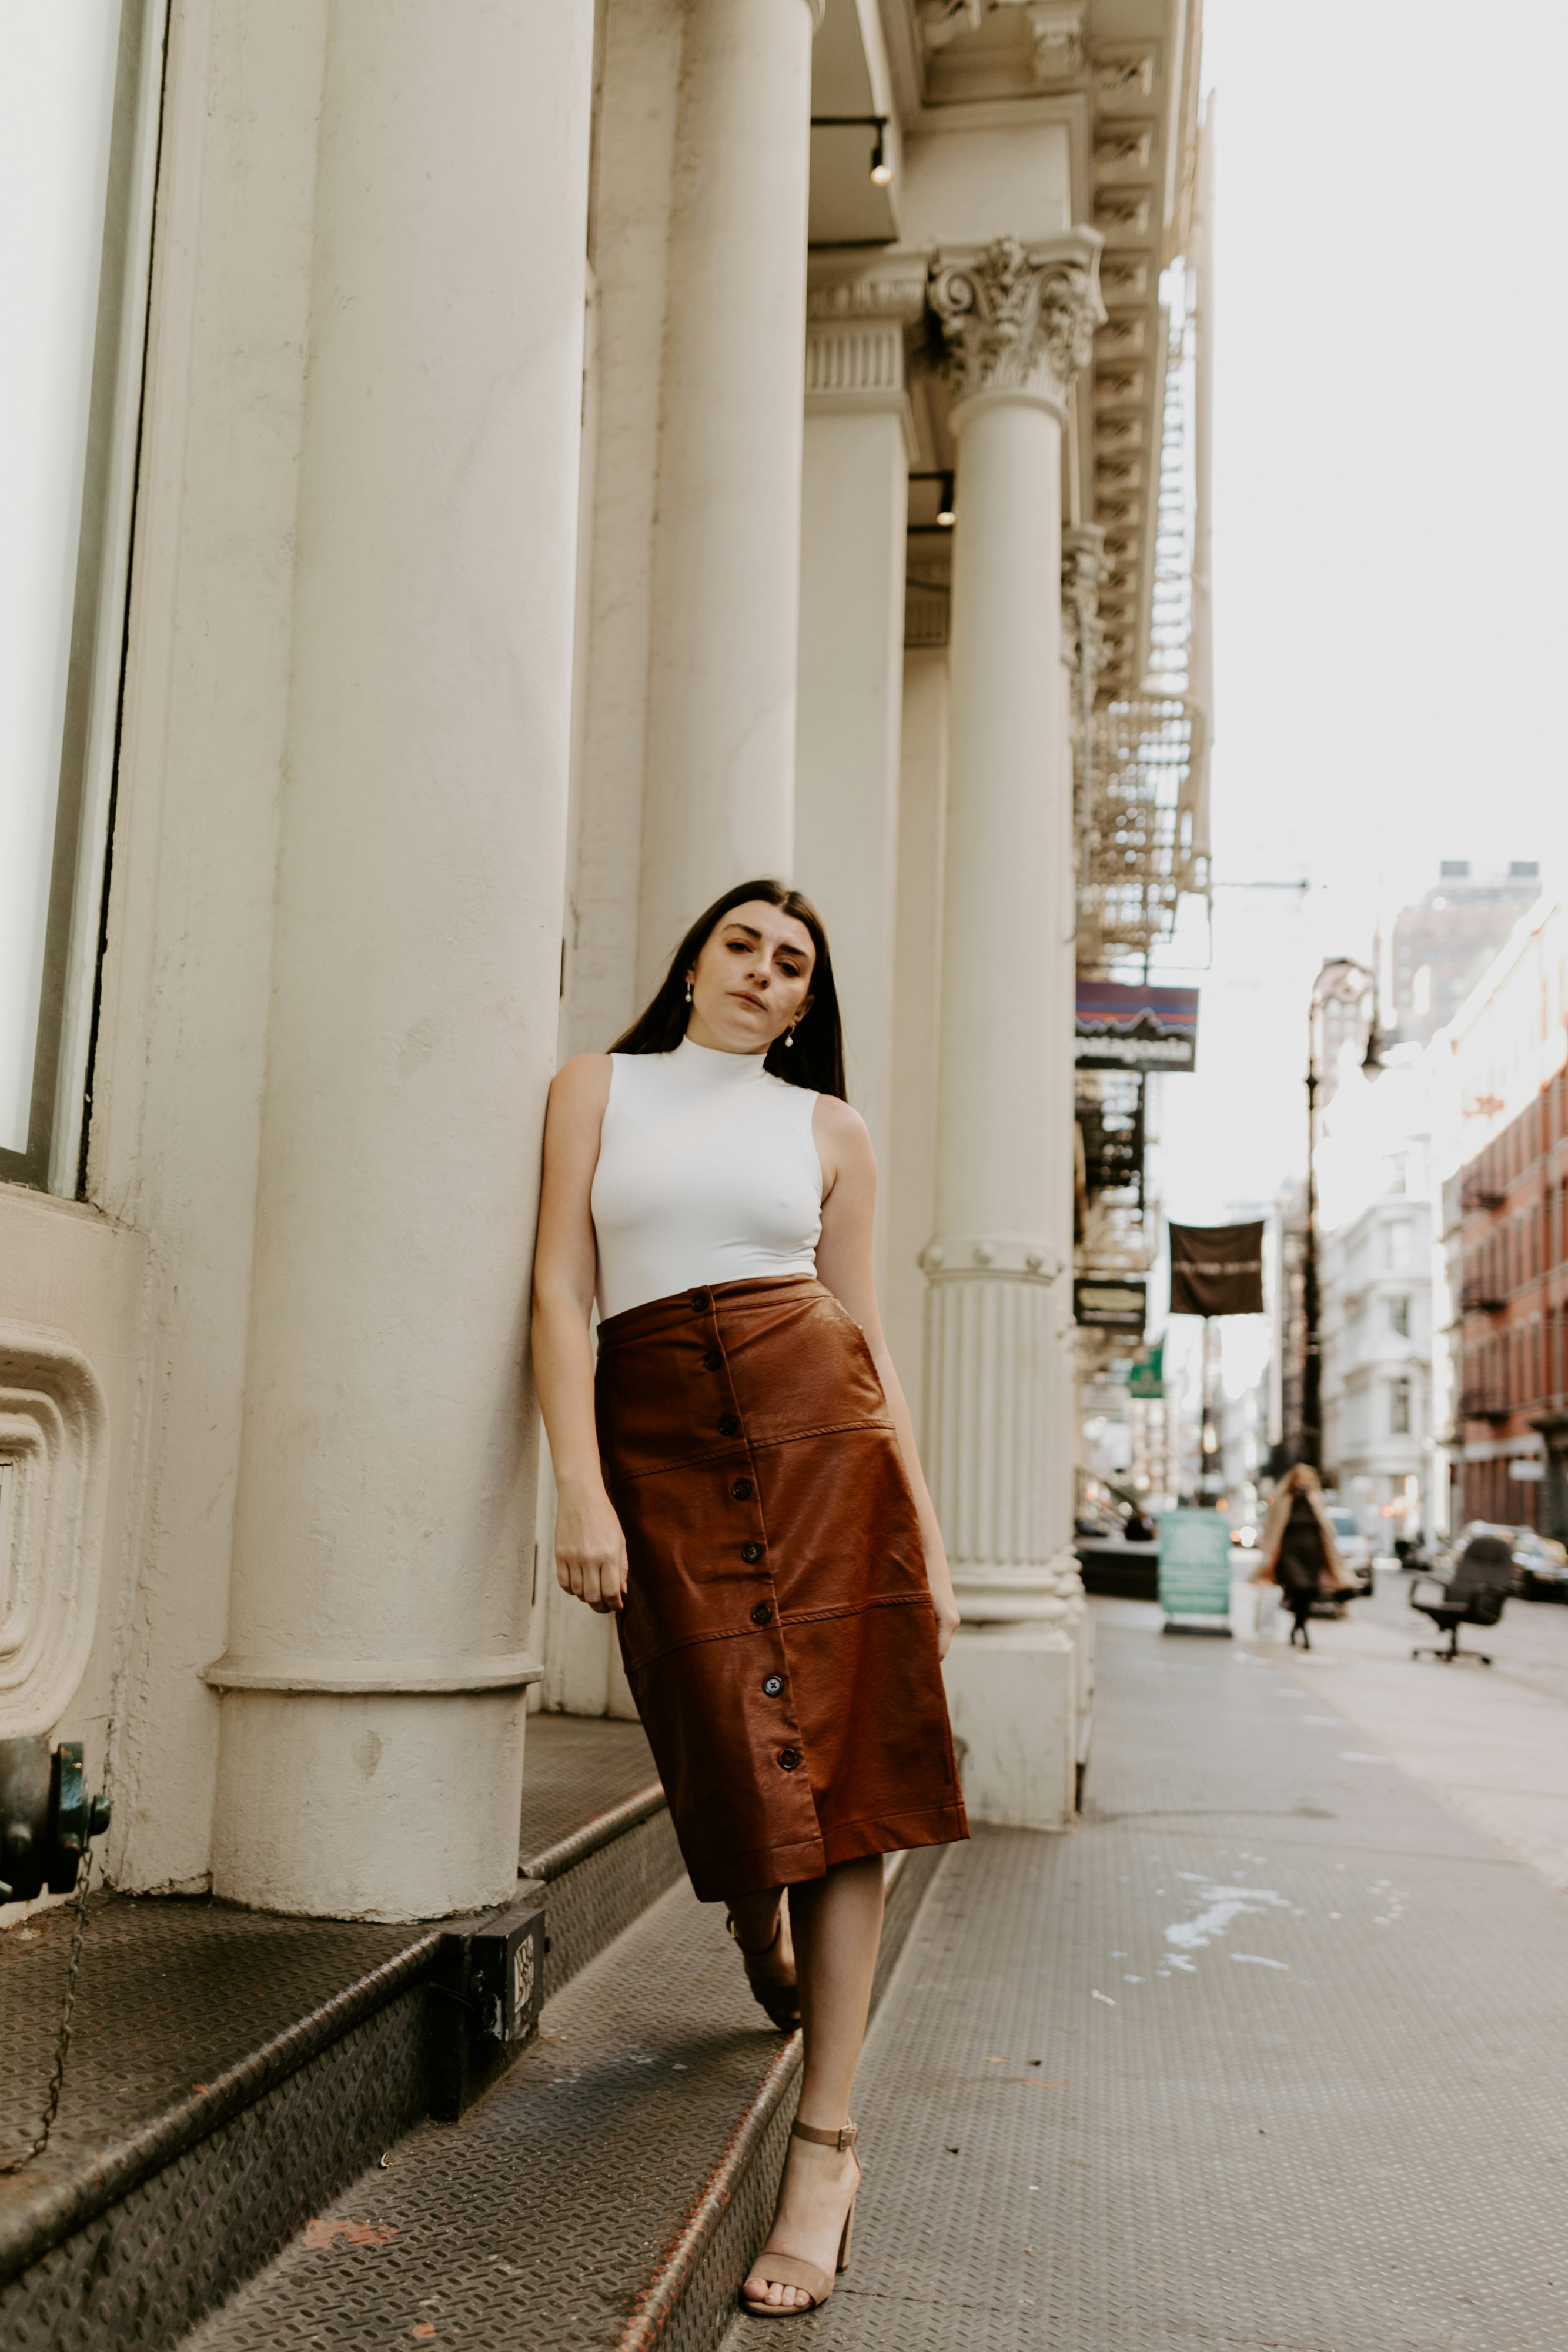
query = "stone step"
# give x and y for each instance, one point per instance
(609, 2191)
(230, 2070)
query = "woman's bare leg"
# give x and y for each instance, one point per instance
(837, 1923)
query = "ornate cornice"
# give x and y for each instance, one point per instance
(898, 293)
(1018, 318)
(857, 321)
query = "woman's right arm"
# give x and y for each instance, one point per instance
(589, 1550)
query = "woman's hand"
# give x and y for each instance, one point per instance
(590, 1549)
(941, 1600)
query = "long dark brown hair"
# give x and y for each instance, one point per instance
(816, 1059)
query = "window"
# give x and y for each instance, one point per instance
(1398, 1243)
(1399, 1318)
(1399, 1409)
(75, 208)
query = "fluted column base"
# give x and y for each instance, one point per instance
(990, 1346)
(1016, 1683)
(1012, 1693)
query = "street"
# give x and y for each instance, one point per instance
(1492, 1742)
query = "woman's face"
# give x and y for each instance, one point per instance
(752, 980)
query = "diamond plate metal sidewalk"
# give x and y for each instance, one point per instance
(559, 2212)
(1273, 2053)
(230, 2070)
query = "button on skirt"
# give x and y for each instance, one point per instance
(778, 1634)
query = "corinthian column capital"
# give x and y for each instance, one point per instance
(1083, 570)
(1019, 320)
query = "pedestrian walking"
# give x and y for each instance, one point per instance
(738, 1483)
(1299, 1554)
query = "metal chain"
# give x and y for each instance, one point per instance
(63, 2035)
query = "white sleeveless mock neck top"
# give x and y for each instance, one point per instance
(708, 1173)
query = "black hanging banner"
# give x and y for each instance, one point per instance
(1217, 1269)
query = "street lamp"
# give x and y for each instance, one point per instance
(1345, 981)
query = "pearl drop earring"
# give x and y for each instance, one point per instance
(688, 992)
(789, 1039)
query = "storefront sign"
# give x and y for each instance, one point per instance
(1146, 1378)
(1195, 1564)
(1217, 1269)
(1110, 1302)
(1141, 1028)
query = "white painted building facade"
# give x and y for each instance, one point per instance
(506, 438)
(1377, 1365)
(1375, 1167)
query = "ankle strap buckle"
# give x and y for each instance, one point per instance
(842, 2139)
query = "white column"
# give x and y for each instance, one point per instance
(854, 517)
(911, 1176)
(719, 800)
(374, 1680)
(1083, 570)
(998, 1378)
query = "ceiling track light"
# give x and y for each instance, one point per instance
(947, 513)
(880, 168)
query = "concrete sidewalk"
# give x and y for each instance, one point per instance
(1274, 2052)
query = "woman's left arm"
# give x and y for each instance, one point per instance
(844, 1267)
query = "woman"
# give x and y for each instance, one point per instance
(739, 1484)
(1299, 1554)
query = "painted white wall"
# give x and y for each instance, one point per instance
(70, 1322)
(964, 187)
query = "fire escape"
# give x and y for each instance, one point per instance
(1141, 781)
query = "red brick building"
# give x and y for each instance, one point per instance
(1513, 1400)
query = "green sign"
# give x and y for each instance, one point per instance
(1195, 1564)
(1148, 1376)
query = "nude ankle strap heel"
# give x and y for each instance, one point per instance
(771, 1980)
(844, 2137)
(789, 2270)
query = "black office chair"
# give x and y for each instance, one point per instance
(1474, 1595)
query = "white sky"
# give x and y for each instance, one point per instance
(1390, 517)
(1390, 526)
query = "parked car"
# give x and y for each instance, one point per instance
(1539, 1562)
(1542, 1565)
(1355, 1548)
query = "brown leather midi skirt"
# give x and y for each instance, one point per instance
(778, 1632)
